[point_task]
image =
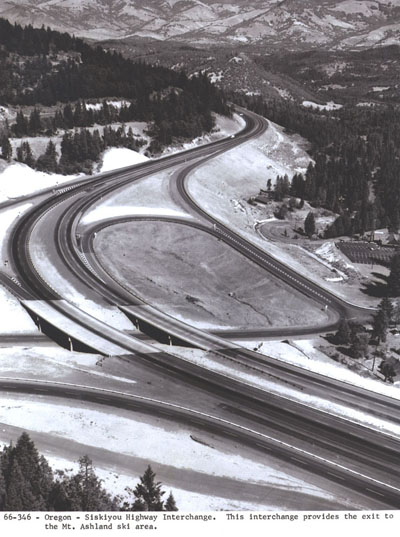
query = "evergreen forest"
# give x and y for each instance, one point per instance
(27, 483)
(356, 150)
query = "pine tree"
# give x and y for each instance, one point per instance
(68, 116)
(386, 305)
(35, 123)
(309, 224)
(387, 370)
(343, 334)
(20, 127)
(84, 491)
(34, 468)
(382, 319)
(2, 490)
(6, 149)
(48, 161)
(27, 476)
(380, 326)
(170, 504)
(394, 276)
(147, 493)
(58, 497)
(24, 154)
(359, 339)
(19, 497)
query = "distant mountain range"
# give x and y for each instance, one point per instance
(294, 24)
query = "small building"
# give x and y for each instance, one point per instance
(262, 198)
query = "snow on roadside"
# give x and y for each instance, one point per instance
(14, 319)
(106, 212)
(119, 157)
(7, 219)
(147, 196)
(310, 358)
(137, 438)
(20, 180)
(51, 362)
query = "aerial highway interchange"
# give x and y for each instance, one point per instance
(352, 456)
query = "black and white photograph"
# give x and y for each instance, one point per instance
(199, 259)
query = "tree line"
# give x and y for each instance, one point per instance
(27, 483)
(166, 126)
(79, 150)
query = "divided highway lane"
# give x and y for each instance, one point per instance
(382, 494)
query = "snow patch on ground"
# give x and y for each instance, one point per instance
(146, 196)
(119, 157)
(284, 93)
(107, 212)
(328, 251)
(353, 7)
(216, 77)
(14, 319)
(20, 180)
(115, 104)
(328, 106)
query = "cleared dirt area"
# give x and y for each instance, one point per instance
(191, 275)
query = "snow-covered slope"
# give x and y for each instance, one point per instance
(294, 22)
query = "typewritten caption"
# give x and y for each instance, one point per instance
(173, 523)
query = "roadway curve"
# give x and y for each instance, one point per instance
(334, 433)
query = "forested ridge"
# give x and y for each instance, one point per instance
(42, 66)
(357, 161)
(27, 483)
